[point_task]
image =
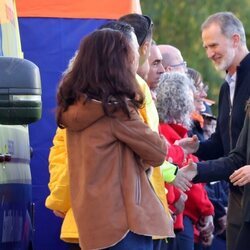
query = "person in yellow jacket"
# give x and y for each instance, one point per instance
(59, 197)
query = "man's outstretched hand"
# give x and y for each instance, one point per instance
(190, 144)
(185, 175)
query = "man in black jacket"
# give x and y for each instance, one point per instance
(225, 168)
(224, 40)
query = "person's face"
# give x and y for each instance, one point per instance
(143, 70)
(199, 94)
(209, 127)
(178, 64)
(199, 104)
(144, 51)
(219, 48)
(155, 67)
(181, 67)
(135, 52)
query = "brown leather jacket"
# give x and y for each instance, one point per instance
(110, 191)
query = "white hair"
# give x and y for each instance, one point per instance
(174, 101)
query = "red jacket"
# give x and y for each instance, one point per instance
(197, 204)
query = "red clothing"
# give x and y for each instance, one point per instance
(173, 196)
(197, 204)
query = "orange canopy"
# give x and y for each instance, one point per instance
(101, 9)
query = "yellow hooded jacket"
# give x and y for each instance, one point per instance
(59, 198)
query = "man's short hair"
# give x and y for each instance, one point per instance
(142, 25)
(123, 27)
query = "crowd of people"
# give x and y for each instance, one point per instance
(134, 163)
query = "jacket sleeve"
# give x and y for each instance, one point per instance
(147, 144)
(207, 148)
(59, 197)
(176, 154)
(222, 168)
(173, 195)
(213, 147)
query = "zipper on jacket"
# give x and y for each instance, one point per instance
(230, 114)
(230, 123)
(138, 190)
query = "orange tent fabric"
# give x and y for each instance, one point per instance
(101, 9)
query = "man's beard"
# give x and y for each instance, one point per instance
(226, 61)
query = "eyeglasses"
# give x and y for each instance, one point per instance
(184, 64)
(150, 25)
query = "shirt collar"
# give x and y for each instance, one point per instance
(230, 78)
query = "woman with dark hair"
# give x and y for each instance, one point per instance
(109, 147)
(95, 73)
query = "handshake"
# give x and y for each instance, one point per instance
(185, 175)
(182, 177)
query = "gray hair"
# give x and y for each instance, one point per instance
(174, 102)
(228, 23)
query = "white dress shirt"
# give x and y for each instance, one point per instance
(231, 80)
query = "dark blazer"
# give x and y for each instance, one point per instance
(225, 166)
(228, 126)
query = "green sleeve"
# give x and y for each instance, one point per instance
(168, 171)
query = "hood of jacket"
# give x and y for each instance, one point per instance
(82, 114)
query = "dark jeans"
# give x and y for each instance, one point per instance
(185, 238)
(218, 244)
(134, 241)
(172, 243)
(160, 245)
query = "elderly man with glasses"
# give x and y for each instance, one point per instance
(172, 59)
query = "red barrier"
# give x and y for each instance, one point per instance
(101, 9)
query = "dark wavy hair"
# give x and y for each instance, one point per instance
(102, 71)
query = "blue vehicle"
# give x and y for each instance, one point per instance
(20, 104)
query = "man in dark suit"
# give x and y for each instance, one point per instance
(224, 40)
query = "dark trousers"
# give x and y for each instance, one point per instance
(172, 243)
(74, 246)
(160, 245)
(134, 241)
(218, 244)
(243, 238)
(185, 239)
(234, 219)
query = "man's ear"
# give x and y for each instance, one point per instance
(144, 48)
(236, 40)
